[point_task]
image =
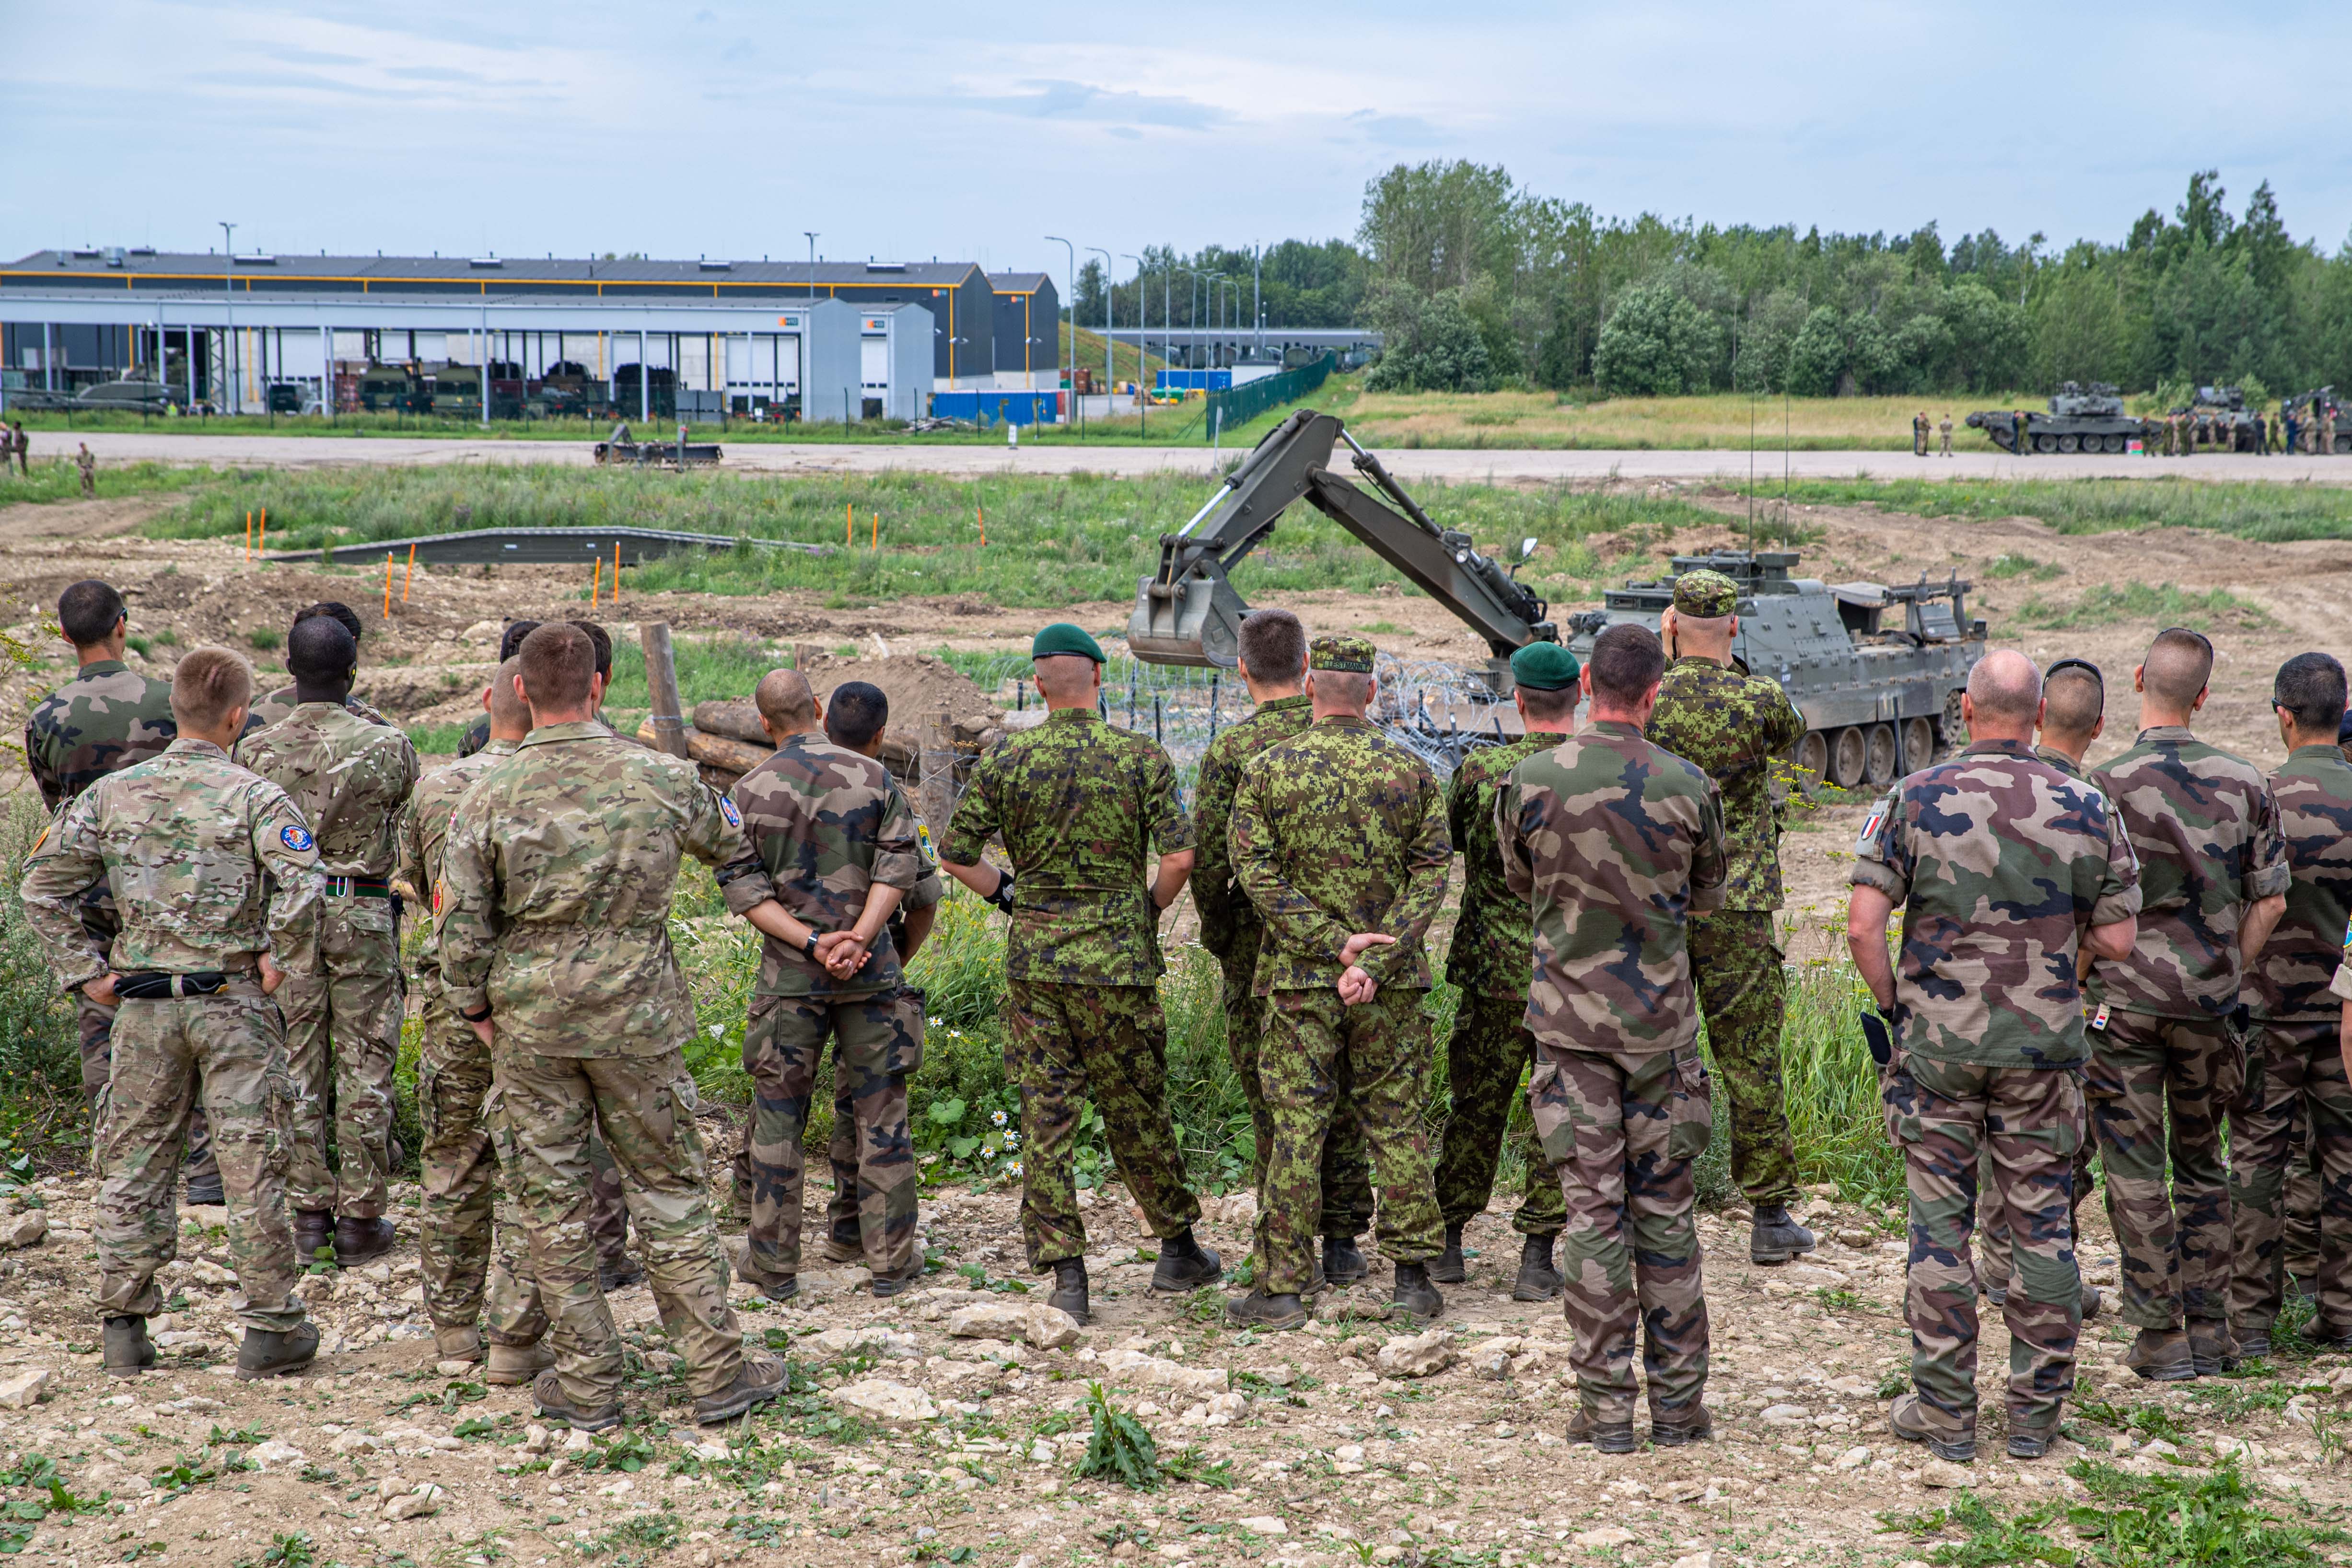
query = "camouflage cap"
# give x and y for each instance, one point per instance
(1545, 667)
(1706, 594)
(1340, 652)
(1061, 637)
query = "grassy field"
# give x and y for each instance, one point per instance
(1590, 422)
(2271, 513)
(56, 479)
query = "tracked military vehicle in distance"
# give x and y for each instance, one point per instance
(2218, 418)
(1876, 671)
(2326, 406)
(2080, 419)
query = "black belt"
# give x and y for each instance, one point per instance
(358, 887)
(155, 984)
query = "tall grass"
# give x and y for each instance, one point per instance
(41, 1118)
(56, 479)
(2271, 513)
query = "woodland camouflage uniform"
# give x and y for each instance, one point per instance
(1615, 843)
(1490, 962)
(213, 867)
(1999, 862)
(556, 886)
(2205, 826)
(1081, 805)
(1335, 831)
(1233, 933)
(2302, 1057)
(349, 777)
(829, 824)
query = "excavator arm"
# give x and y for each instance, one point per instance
(1188, 613)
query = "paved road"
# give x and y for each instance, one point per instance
(1424, 462)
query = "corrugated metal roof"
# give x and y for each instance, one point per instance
(1018, 282)
(520, 271)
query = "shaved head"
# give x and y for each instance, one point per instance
(1066, 677)
(785, 701)
(509, 715)
(2179, 663)
(2005, 687)
(2077, 701)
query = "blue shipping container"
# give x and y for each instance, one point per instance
(998, 407)
(1196, 381)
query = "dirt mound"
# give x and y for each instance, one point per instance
(917, 684)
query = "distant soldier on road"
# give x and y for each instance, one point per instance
(1733, 725)
(1944, 430)
(1919, 435)
(23, 451)
(87, 463)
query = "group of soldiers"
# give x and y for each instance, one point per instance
(16, 445)
(1919, 435)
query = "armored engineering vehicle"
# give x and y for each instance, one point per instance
(2080, 419)
(2218, 418)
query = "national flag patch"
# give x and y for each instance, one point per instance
(727, 807)
(297, 839)
(1870, 828)
(2099, 1019)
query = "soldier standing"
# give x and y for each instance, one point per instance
(1273, 662)
(1944, 429)
(23, 451)
(1733, 725)
(2166, 1032)
(839, 842)
(1078, 804)
(350, 777)
(1615, 841)
(1490, 961)
(1919, 435)
(554, 946)
(1338, 838)
(2302, 1048)
(2005, 868)
(88, 464)
(278, 705)
(477, 735)
(222, 895)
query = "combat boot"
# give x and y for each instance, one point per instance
(1344, 1263)
(1184, 1266)
(1906, 1422)
(1538, 1281)
(1775, 1236)
(1679, 1429)
(1448, 1268)
(842, 1243)
(2253, 1341)
(128, 1351)
(2321, 1334)
(314, 1232)
(267, 1353)
(457, 1345)
(547, 1397)
(357, 1241)
(513, 1365)
(620, 1274)
(2092, 1301)
(892, 1284)
(2031, 1442)
(1414, 1296)
(1070, 1287)
(2162, 1355)
(2213, 1349)
(1607, 1436)
(204, 1190)
(759, 1381)
(1259, 1310)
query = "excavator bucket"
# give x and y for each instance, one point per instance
(1199, 624)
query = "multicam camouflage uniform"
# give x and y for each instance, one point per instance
(1490, 961)
(1233, 933)
(556, 885)
(212, 867)
(1615, 843)
(280, 705)
(830, 825)
(349, 778)
(1733, 725)
(2303, 1056)
(2000, 862)
(1079, 803)
(1337, 832)
(2206, 829)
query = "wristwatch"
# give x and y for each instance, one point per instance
(483, 1016)
(809, 946)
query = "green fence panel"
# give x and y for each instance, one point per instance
(1229, 410)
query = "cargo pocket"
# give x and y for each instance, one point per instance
(1899, 1099)
(1555, 1128)
(756, 1026)
(906, 1050)
(277, 1123)
(1690, 1109)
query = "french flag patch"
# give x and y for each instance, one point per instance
(1870, 828)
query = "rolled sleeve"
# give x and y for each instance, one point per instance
(1882, 857)
(2341, 985)
(1711, 864)
(897, 850)
(2120, 890)
(2269, 871)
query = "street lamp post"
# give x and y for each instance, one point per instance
(1142, 331)
(1111, 368)
(228, 311)
(1257, 306)
(1072, 275)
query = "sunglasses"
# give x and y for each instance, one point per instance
(2094, 670)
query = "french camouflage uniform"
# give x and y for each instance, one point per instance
(1615, 843)
(1490, 963)
(1735, 726)
(1233, 933)
(1336, 831)
(2000, 863)
(556, 886)
(830, 825)
(280, 705)
(211, 867)
(349, 777)
(2165, 1047)
(2302, 1057)
(1079, 804)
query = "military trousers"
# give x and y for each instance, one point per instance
(230, 1047)
(2018, 1128)
(1743, 992)
(97, 1027)
(2148, 1075)
(1382, 1048)
(1347, 1169)
(343, 1036)
(1488, 1053)
(1994, 1264)
(878, 1045)
(1622, 1128)
(552, 1105)
(2303, 1071)
(1071, 1043)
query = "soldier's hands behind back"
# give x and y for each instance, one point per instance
(272, 976)
(1356, 946)
(102, 990)
(841, 952)
(1357, 988)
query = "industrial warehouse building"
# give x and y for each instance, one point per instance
(699, 339)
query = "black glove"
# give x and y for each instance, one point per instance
(1003, 897)
(1880, 1038)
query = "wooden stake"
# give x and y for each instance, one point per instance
(668, 718)
(411, 573)
(248, 537)
(595, 580)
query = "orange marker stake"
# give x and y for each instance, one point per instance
(848, 525)
(412, 574)
(874, 531)
(616, 572)
(595, 581)
(983, 512)
(387, 585)
(263, 545)
(248, 536)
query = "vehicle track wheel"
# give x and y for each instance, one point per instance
(2045, 443)
(1879, 764)
(2113, 444)
(2069, 444)
(1918, 744)
(1849, 753)
(1813, 758)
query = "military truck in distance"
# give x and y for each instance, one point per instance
(392, 389)
(2333, 409)
(2080, 419)
(2218, 418)
(1875, 671)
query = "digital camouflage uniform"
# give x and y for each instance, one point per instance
(2206, 829)
(1336, 831)
(2303, 1056)
(1999, 861)
(556, 885)
(1080, 804)
(1615, 843)
(1233, 933)
(830, 825)
(1491, 961)
(349, 778)
(211, 867)
(1734, 726)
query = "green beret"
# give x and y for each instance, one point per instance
(1545, 667)
(1341, 652)
(1061, 637)
(1706, 594)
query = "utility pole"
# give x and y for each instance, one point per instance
(228, 309)
(1142, 332)
(1073, 304)
(1257, 310)
(1110, 370)
(808, 327)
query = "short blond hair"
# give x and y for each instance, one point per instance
(207, 686)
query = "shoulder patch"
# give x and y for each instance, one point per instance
(296, 838)
(1869, 834)
(931, 854)
(727, 808)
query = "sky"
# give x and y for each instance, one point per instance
(912, 130)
